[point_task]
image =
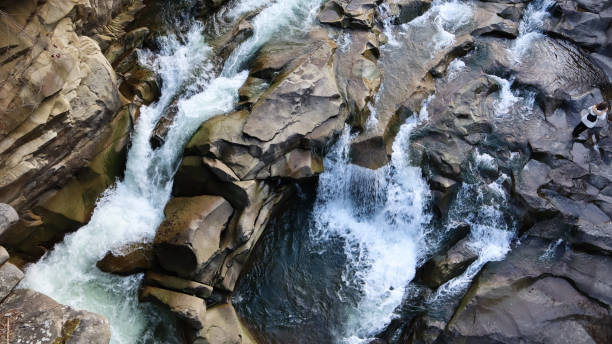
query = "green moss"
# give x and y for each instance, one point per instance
(67, 330)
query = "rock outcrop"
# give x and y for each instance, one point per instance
(70, 93)
(238, 167)
(31, 317)
(521, 115)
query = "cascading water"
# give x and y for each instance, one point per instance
(131, 210)
(481, 205)
(380, 217)
(491, 231)
(530, 27)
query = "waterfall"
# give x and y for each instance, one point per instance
(530, 28)
(131, 210)
(480, 205)
(447, 18)
(381, 218)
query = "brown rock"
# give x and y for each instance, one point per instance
(191, 232)
(8, 217)
(128, 259)
(178, 284)
(189, 308)
(223, 327)
(442, 268)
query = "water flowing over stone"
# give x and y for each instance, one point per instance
(131, 210)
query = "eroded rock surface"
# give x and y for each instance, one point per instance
(36, 318)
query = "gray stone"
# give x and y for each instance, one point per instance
(10, 275)
(36, 318)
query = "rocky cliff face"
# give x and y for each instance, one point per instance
(71, 92)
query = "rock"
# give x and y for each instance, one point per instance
(126, 45)
(407, 10)
(519, 299)
(36, 318)
(8, 217)
(246, 231)
(223, 327)
(407, 85)
(242, 31)
(574, 73)
(62, 210)
(188, 308)
(531, 178)
(297, 164)
(308, 111)
(190, 234)
(220, 170)
(128, 259)
(585, 23)
(58, 96)
(4, 255)
(195, 177)
(358, 75)
(369, 152)
(332, 13)
(274, 57)
(178, 284)
(356, 14)
(300, 102)
(10, 275)
(593, 237)
(442, 268)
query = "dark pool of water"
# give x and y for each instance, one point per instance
(294, 291)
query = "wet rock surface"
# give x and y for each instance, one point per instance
(129, 259)
(480, 94)
(71, 94)
(492, 91)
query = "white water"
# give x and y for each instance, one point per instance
(551, 250)
(447, 18)
(479, 205)
(380, 216)
(131, 210)
(507, 98)
(530, 28)
(455, 67)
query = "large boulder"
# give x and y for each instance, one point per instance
(538, 294)
(128, 259)
(8, 217)
(10, 275)
(301, 109)
(190, 234)
(178, 284)
(190, 309)
(443, 267)
(59, 92)
(35, 318)
(223, 327)
(356, 14)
